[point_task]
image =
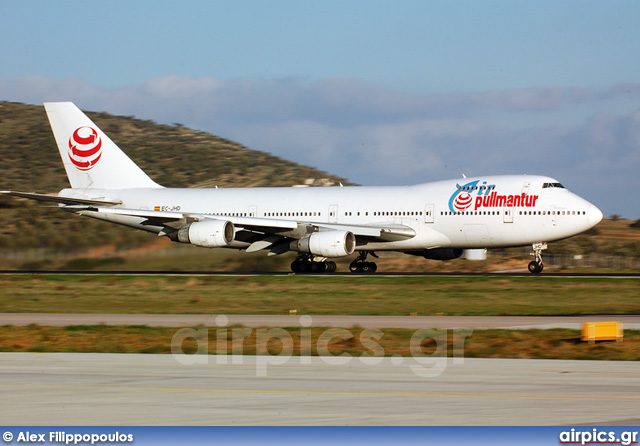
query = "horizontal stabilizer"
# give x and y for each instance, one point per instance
(61, 200)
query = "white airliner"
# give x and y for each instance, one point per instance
(435, 220)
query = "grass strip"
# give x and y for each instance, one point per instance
(357, 342)
(450, 296)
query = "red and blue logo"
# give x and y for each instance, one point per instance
(486, 197)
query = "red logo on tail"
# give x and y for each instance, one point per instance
(85, 148)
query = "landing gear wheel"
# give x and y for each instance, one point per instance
(535, 267)
(307, 264)
(318, 267)
(360, 265)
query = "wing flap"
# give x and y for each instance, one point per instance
(384, 232)
(264, 243)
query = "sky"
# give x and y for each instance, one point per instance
(379, 92)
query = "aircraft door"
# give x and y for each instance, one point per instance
(333, 213)
(428, 213)
(507, 215)
(253, 211)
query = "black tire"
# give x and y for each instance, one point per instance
(331, 266)
(354, 267)
(535, 267)
(369, 268)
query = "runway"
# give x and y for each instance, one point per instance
(133, 389)
(523, 273)
(631, 322)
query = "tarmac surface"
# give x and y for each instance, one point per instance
(513, 273)
(409, 322)
(136, 389)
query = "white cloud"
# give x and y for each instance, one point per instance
(177, 87)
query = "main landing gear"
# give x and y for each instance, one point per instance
(360, 265)
(307, 264)
(536, 266)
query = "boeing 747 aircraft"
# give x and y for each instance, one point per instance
(434, 220)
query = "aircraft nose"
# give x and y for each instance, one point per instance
(594, 215)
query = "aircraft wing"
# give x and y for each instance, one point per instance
(266, 226)
(173, 219)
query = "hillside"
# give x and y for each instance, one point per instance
(173, 156)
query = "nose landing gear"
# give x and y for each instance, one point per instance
(536, 266)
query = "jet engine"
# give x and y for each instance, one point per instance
(438, 253)
(326, 244)
(208, 233)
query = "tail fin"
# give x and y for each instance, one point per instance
(91, 159)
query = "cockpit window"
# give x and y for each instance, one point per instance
(546, 185)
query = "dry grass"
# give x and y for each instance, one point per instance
(538, 344)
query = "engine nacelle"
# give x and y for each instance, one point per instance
(438, 253)
(208, 233)
(326, 244)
